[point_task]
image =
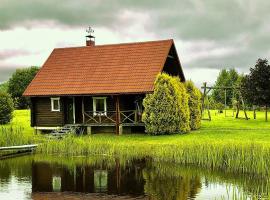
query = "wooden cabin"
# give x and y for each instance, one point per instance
(98, 86)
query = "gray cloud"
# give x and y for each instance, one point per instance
(240, 26)
(5, 73)
(5, 54)
(68, 12)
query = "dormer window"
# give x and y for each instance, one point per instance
(99, 106)
(55, 104)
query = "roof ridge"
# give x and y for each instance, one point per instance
(117, 44)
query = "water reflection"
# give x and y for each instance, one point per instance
(39, 177)
(88, 178)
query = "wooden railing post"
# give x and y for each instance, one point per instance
(135, 116)
(83, 110)
(117, 121)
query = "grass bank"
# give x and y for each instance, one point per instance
(224, 143)
(18, 132)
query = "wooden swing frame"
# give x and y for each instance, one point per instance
(207, 89)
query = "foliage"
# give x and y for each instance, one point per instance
(226, 78)
(219, 107)
(181, 101)
(18, 132)
(170, 187)
(255, 85)
(223, 143)
(166, 110)
(194, 103)
(4, 87)
(17, 84)
(6, 108)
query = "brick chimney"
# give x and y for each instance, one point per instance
(90, 39)
(90, 42)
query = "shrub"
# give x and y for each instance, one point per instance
(194, 103)
(220, 107)
(166, 110)
(6, 108)
(182, 104)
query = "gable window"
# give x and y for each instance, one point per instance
(99, 106)
(55, 104)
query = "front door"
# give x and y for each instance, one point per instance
(70, 111)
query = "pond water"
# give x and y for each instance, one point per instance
(53, 177)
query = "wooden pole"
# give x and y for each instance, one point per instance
(117, 121)
(203, 97)
(83, 110)
(244, 107)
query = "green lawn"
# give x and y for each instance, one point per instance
(236, 145)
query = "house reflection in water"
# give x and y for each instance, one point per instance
(87, 179)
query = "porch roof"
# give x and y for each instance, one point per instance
(101, 69)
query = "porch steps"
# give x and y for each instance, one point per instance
(60, 133)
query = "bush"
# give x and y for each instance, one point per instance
(194, 103)
(220, 107)
(6, 108)
(166, 110)
(182, 104)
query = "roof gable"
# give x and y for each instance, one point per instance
(101, 69)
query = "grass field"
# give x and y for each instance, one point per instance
(226, 143)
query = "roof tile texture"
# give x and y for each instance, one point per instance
(101, 69)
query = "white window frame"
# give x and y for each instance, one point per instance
(52, 104)
(95, 109)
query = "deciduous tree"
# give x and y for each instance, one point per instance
(17, 84)
(6, 108)
(226, 78)
(255, 86)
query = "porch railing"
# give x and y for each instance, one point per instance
(109, 117)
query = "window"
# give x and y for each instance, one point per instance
(55, 104)
(99, 106)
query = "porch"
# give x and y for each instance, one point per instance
(106, 111)
(126, 118)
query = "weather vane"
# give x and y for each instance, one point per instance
(90, 30)
(90, 39)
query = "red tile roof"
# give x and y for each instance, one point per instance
(101, 69)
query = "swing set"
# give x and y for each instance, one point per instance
(236, 93)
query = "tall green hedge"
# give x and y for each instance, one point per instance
(166, 111)
(194, 103)
(6, 108)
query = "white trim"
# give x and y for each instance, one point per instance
(74, 110)
(94, 106)
(47, 128)
(52, 104)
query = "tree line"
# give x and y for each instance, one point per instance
(11, 92)
(254, 88)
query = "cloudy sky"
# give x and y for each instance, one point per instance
(209, 34)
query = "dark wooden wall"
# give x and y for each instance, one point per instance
(172, 65)
(42, 115)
